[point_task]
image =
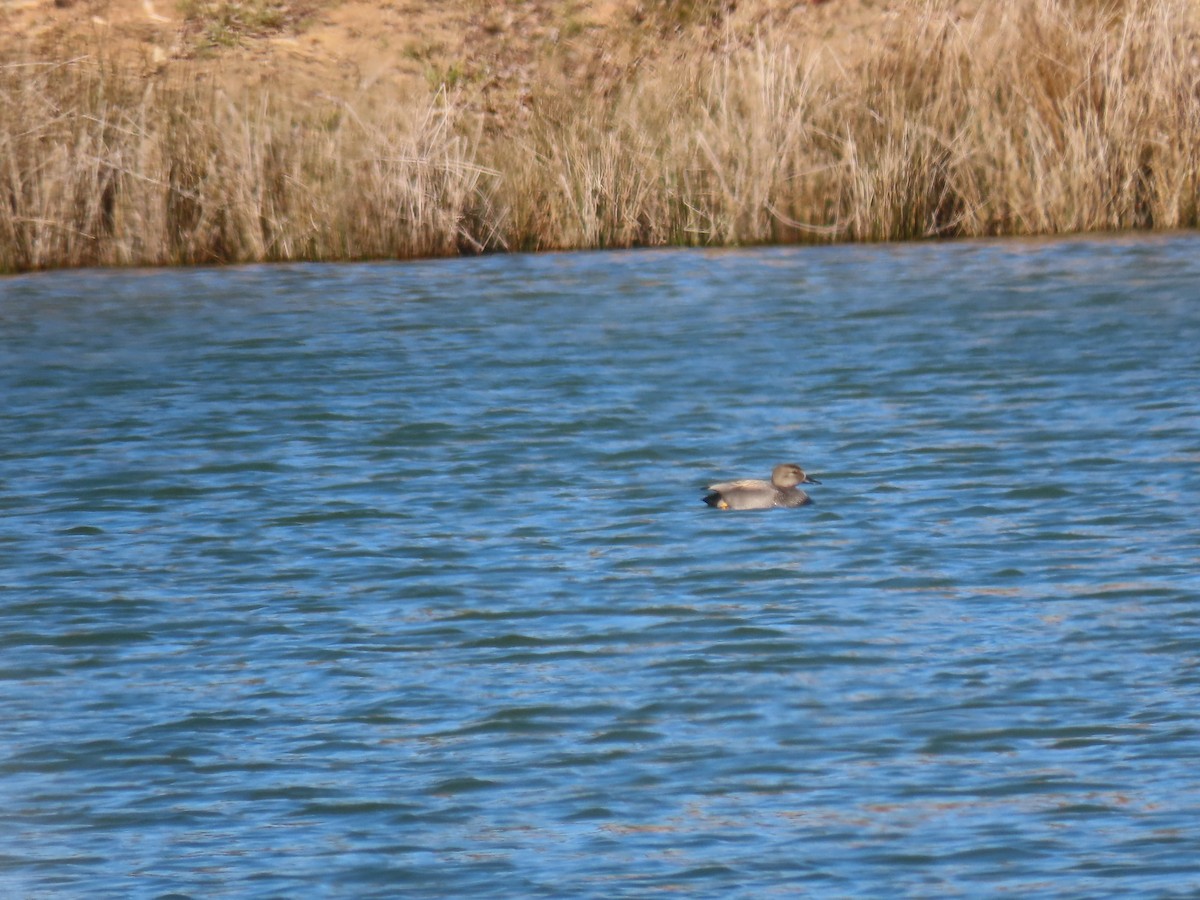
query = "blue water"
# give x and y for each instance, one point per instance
(395, 580)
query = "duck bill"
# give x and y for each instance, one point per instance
(808, 479)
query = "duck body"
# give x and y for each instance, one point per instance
(754, 493)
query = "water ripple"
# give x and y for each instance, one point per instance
(395, 579)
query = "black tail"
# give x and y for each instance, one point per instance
(713, 499)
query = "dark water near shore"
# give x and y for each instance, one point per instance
(394, 580)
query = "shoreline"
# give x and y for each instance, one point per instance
(1020, 119)
(1030, 240)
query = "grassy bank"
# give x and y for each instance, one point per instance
(1032, 117)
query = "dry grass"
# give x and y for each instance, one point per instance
(1043, 118)
(97, 168)
(1032, 117)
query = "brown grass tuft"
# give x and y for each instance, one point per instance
(1031, 117)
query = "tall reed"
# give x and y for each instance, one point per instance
(1038, 117)
(1033, 116)
(97, 168)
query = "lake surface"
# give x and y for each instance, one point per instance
(395, 580)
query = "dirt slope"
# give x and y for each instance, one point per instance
(379, 50)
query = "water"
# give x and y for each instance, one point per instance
(394, 580)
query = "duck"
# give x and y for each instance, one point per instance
(754, 493)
